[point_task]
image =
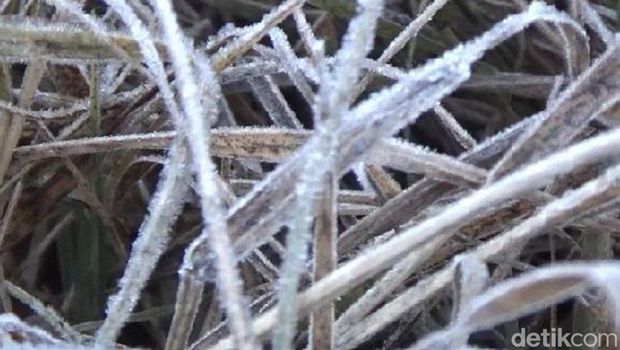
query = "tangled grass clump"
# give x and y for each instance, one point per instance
(311, 174)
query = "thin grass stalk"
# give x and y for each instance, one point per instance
(306, 33)
(153, 61)
(271, 98)
(31, 264)
(264, 144)
(282, 45)
(573, 62)
(4, 228)
(253, 221)
(324, 261)
(61, 42)
(32, 76)
(10, 209)
(188, 298)
(386, 285)
(196, 128)
(48, 114)
(147, 47)
(381, 182)
(408, 157)
(594, 20)
(48, 314)
(88, 187)
(596, 246)
(5, 300)
(402, 39)
(227, 55)
(5, 96)
(458, 132)
(146, 43)
(426, 191)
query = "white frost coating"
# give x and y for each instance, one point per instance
(587, 274)
(295, 72)
(594, 20)
(407, 157)
(386, 112)
(212, 208)
(252, 33)
(506, 137)
(11, 323)
(273, 102)
(335, 96)
(533, 225)
(357, 43)
(211, 90)
(385, 286)
(473, 278)
(149, 53)
(449, 122)
(610, 284)
(305, 32)
(411, 31)
(537, 11)
(114, 81)
(62, 327)
(244, 71)
(140, 33)
(150, 244)
(228, 31)
(62, 112)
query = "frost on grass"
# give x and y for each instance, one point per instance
(403, 138)
(333, 99)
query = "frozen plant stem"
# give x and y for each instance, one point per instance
(48, 314)
(32, 76)
(153, 237)
(333, 99)
(403, 38)
(4, 227)
(325, 259)
(255, 32)
(196, 125)
(5, 116)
